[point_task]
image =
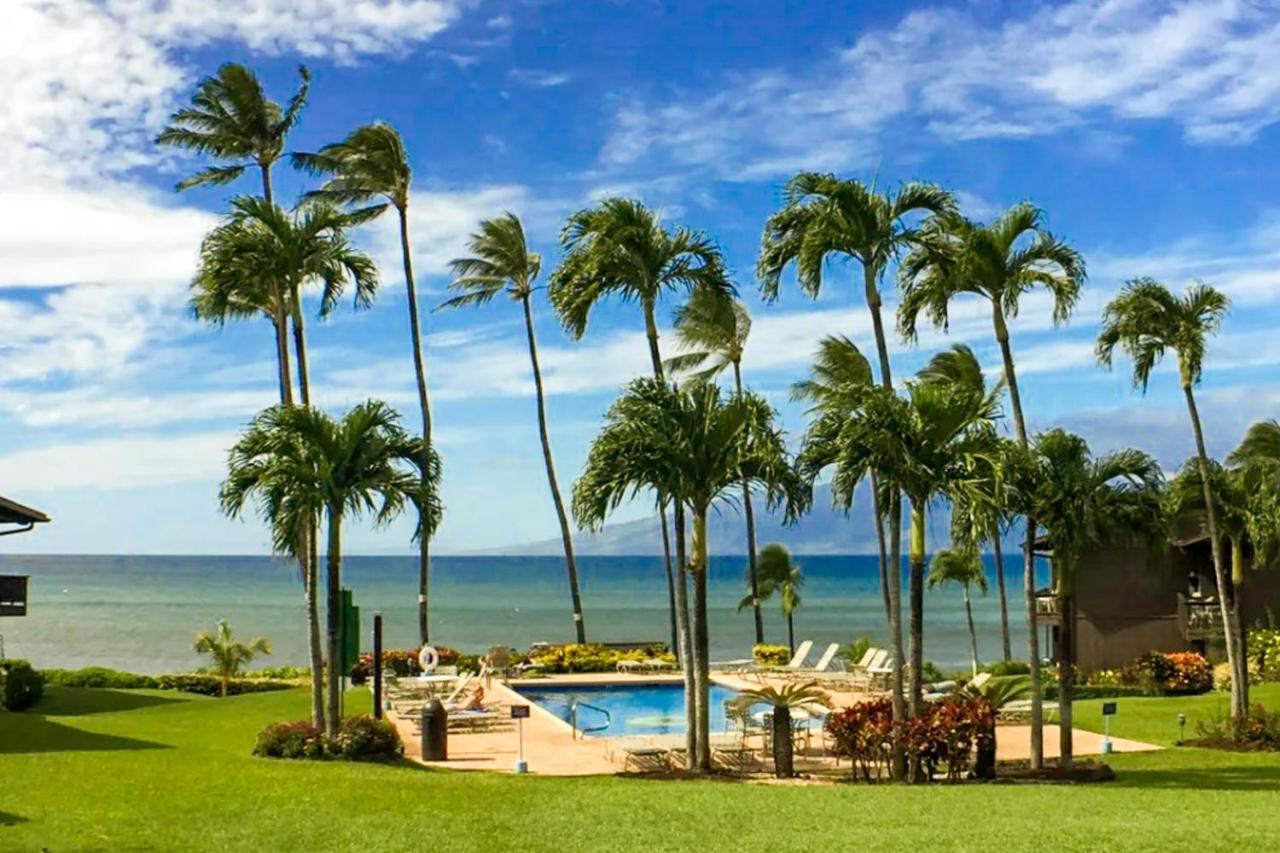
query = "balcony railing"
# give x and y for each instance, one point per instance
(1046, 607)
(1199, 618)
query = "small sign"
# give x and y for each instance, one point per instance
(519, 712)
(1108, 709)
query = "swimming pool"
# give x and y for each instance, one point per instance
(633, 709)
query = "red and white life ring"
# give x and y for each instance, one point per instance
(428, 659)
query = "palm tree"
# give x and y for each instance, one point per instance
(1083, 503)
(998, 262)
(793, 694)
(371, 167)
(621, 248)
(232, 120)
(1257, 463)
(963, 567)
(713, 328)
(824, 216)
(780, 574)
(501, 261)
(1145, 320)
(228, 654)
(694, 448)
(984, 516)
(300, 462)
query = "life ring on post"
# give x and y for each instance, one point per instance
(428, 659)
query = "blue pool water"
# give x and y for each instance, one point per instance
(648, 709)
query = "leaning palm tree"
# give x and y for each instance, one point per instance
(501, 262)
(300, 462)
(228, 654)
(962, 567)
(712, 328)
(1084, 503)
(824, 216)
(371, 167)
(782, 575)
(232, 120)
(621, 248)
(1145, 320)
(695, 448)
(981, 509)
(997, 262)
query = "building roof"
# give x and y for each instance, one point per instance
(12, 512)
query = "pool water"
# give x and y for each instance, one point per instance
(644, 709)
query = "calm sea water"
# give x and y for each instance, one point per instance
(141, 613)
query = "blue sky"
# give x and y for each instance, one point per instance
(1146, 130)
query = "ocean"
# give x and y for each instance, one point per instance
(141, 613)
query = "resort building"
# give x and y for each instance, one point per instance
(16, 518)
(1131, 600)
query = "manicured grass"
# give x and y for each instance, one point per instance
(145, 770)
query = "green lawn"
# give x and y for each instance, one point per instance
(145, 770)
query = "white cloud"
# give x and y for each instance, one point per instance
(499, 22)
(1207, 65)
(540, 79)
(118, 463)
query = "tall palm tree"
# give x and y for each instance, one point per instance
(1084, 503)
(1257, 463)
(228, 654)
(782, 575)
(300, 462)
(825, 216)
(712, 329)
(621, 248)
(1145, 320)
(998, 262)
(983, 517)
(962, 567)
(371, 167)
(694, 447)
(501, 262)
(233, 121)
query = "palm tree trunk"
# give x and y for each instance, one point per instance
(751, 531)
(701, 644)
(1033, 646)
(334, 617)
(1029, 556)
(1066, 665)
(424, 404)
(791, 634)
(655, 356)
(1005, 648)
(282, 356)
(1242, 631)
(671, 587)
(565, 535)
(915, 559)
(973, 634)
(1239, 685)
(880, 547)
(894, 570)
(686, 651)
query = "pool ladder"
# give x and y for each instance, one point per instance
(573, 719)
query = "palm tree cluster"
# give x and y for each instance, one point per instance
(923, 444)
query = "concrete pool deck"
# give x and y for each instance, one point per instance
(550, 748)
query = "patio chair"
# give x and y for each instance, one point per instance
(823, 662)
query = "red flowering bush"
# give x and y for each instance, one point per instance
(401, 662)
(945, 735)
(863, 733)
(1190, 673)
(359, 737)
(290, 740)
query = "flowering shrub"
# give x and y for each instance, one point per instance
(1190, 673)
(767, 655)
(863, 733)
(593, 657)
(1264, 653)
(359, 737)
(1259, 730)
(403, 663)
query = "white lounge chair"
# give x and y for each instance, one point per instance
(797, 660)
(827, 657)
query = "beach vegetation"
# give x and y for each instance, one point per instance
(228, 654)
(359, 737)
(21, 686)
(765, 654)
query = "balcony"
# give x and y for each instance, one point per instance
(1199, 618)
(1046, 607)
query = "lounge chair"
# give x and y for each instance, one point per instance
(629, 667)
(825, 661)
(658, 665)
(859, 677)
(640, 755)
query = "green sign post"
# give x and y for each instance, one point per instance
(348, 634)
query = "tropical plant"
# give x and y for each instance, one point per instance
(1145, 320)
(782, 700)
(371, 168)
(300, 462)
(778, 573)
(998, 262)
(621, 248)
(1256, 461)
(692, 447)
(962, 567)
(1083, 503)
(501, 262)
(824, 216)
(228, 654)
(712, 328)
(231, 119)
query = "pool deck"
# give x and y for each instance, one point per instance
(550, 748)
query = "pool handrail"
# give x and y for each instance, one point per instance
(573, 719)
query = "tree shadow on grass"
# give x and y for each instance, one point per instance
(7, 819)
(32, 733)
(78, 701)
(1261, 778)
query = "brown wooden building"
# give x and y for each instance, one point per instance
(16, 518)
(1130, 600)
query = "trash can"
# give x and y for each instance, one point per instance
(435, 731)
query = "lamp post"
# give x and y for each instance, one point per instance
(1182, 727)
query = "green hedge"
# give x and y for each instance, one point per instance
(359, 738)
(211, 685)
(1092, 691)
(23, 685)
(97, 676)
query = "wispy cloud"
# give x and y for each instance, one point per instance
(539, 78)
